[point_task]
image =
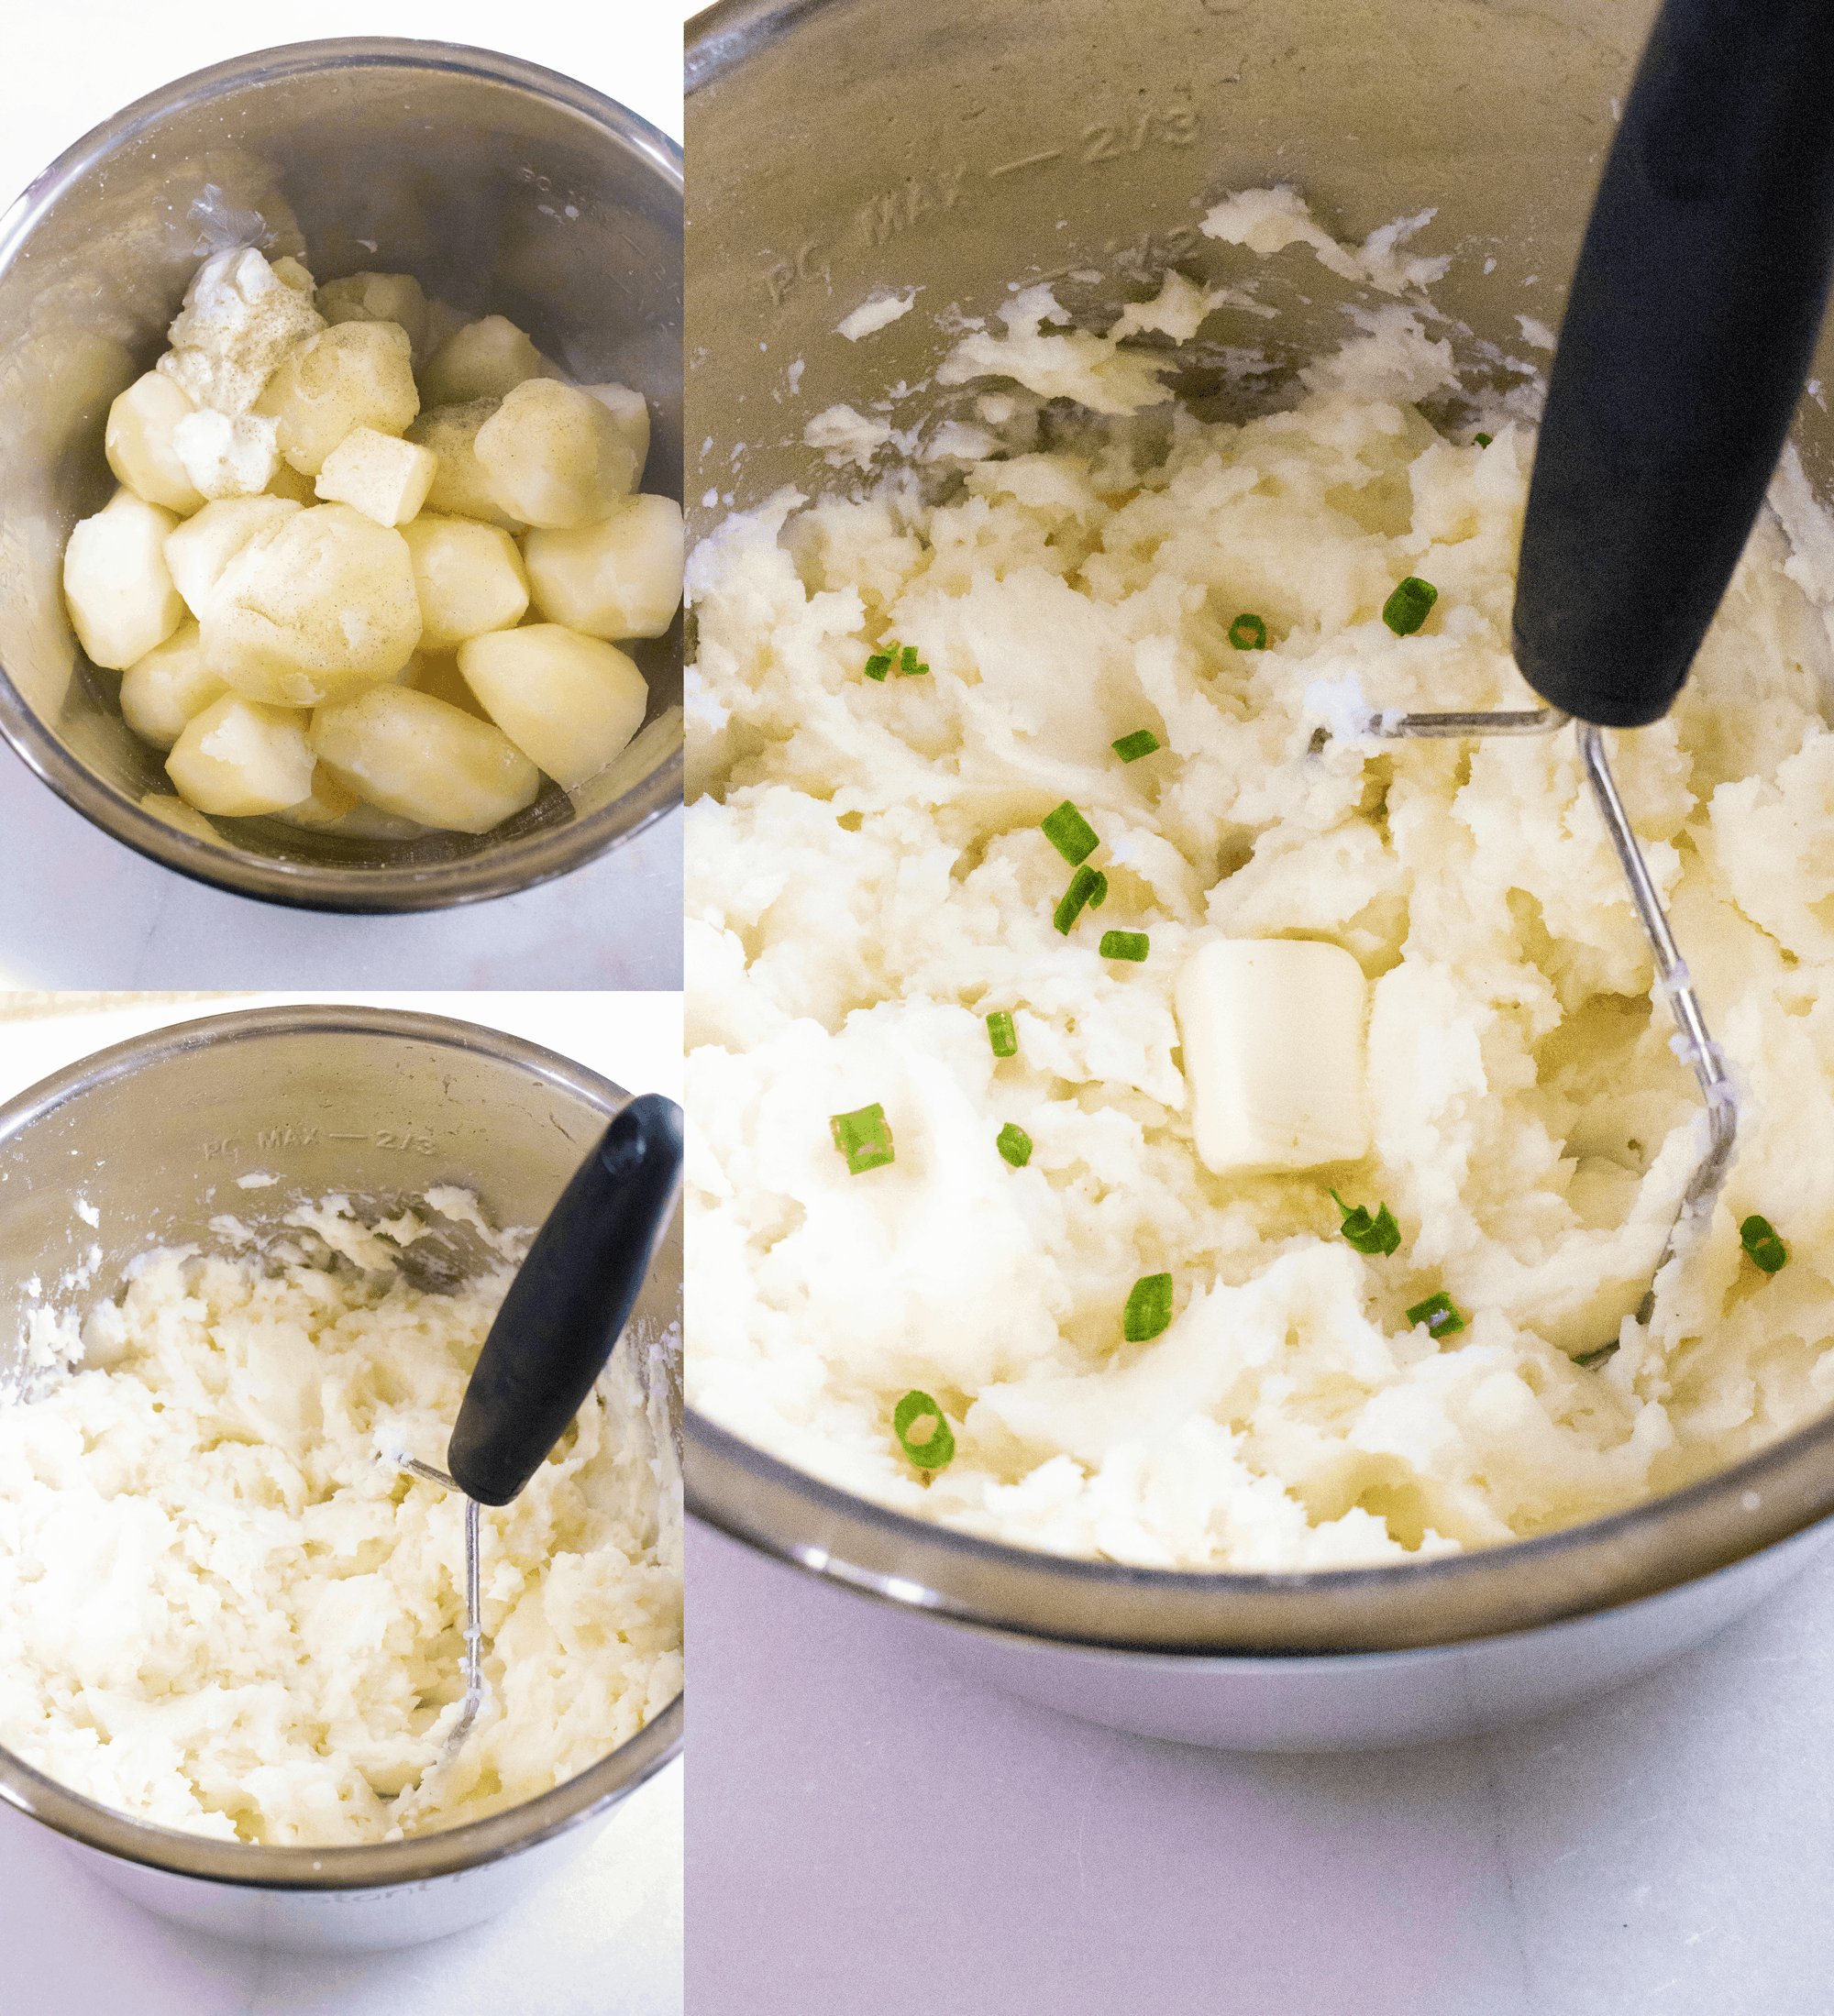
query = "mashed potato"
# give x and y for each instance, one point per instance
(224, 1607)
(868, 881)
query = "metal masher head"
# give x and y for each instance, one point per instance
(474, 1629)
(1696, 1045)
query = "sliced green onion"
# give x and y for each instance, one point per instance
(1141, 742)
(1099, 895)
(1123, 946)
(878, 665)
(1014, 1144)
(1438, 1313)
(1149, 1308)
(1590, 1358)
(906, 662)
(917, 1410)
(1758, 1237)
(1070, 833)
(1086, 884)
(1002, 1034)
(1484, 441)
(864, 1138)
(1408, 608)
(1376, 1235)
(1248, 632)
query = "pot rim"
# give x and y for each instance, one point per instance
(370, 1865)
(504, 869)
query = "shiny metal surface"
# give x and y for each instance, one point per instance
(379, 1104)
(503, 188)
(962, 147)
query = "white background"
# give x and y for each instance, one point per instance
(604, 1939)
(88, 912)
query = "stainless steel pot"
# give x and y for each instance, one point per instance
(503, 188)
(960, 148)
(380, 1104)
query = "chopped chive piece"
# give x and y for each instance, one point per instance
(1438, 1313)
(1099, 895)
(1484, 441)
(864, 1138)
(1070, 833)
(1149, 1308)
(1084, 884)
(878, 665)
(1248, 632)
(936, 1444)
(1376, 1235)
(1014, 1145)
(906, 662)
(1123, 946)
(1408, 608)
(1758, 1237)
(1141, 742)
(1002, 1034)
(1590, 1358)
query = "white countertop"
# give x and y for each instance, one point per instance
(871, 1829)
(91, 913)
(604, 1939)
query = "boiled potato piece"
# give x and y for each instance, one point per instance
(552, 455)
(460, 487)
(619, 578)
(171, 686)
(569, 703)
(116, 584)
(482, 360)
(631, 411)
(468, 577)
(358, 374)
(139, 444)
(326, 804)
(237, 759)
(315, 607)
(378, 297)
(199, 550)
(413, 754)
(384, 477)
(176, 812)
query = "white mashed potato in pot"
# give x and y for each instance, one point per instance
(225, 1607)
(871, 878)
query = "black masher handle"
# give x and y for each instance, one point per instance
(1688, 331)
(569, 1303)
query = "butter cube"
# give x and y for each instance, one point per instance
(1274, 1039)
(384, 477)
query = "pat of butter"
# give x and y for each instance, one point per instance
(1273, 1035)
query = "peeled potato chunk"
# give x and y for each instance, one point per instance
(237, 759)
(116, 584)
(413, 754)
(325, 804)
(384, 477)
(619, 578)
(171, 686)
(554, 456)
(468, 577)
(631, 411)
(570, 703)
(378, 297)
(356, 374)
(176, 812)
(482, 360)
(199, 550)
(460, 487)
(315, 607)
(139, 444)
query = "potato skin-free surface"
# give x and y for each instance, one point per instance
(410, 754)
